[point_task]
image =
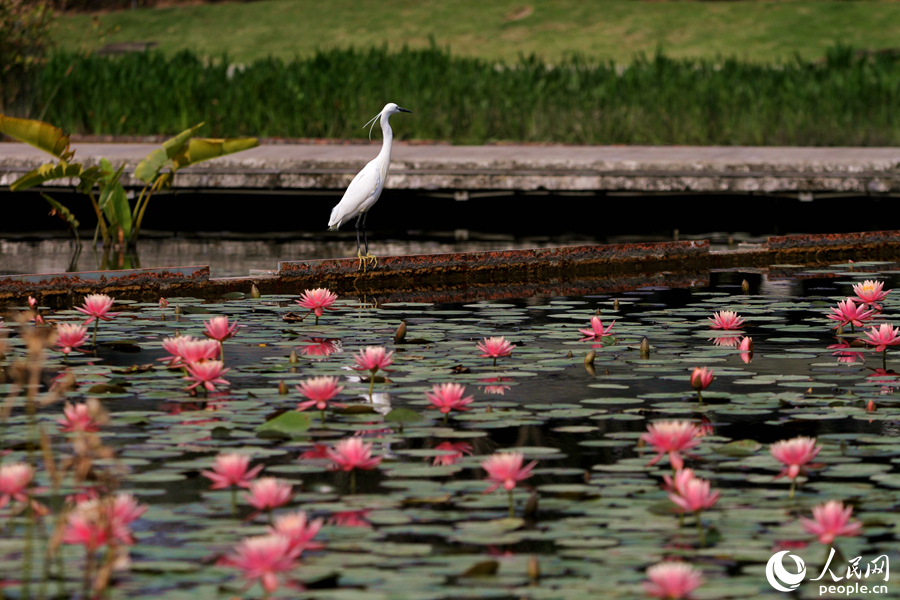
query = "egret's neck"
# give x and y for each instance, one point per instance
(385, 154)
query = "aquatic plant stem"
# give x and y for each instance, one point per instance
(495, 361)
(793, 487)
(700, 529)
(371, 385)
(884, 358)
(322, 415)
(352, 481)
(512, 504)
(233, 501)
(94, 339)
(699, 397)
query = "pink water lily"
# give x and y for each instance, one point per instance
(297, 528)
(505, 469)
(672, 580)
(317, 301)
(691, 493)
(831, 520)
(458, 449)
(267, 493)
(883, 336)
(231, 469)
(96, 307)
(672, 438)
(494, 347)
(596, 332)
(264, 558)
(870, 293)
(207, 373)
(449, 396)
(14, 480)
(373, 359)
(219, 329)
(701, 377)
(848, 313)
(726, 320)
(320, 391)
(78, 417)
(70, 336)
(794, 454)
(353, 453)
(746, 349)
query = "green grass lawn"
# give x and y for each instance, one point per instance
(759, 31)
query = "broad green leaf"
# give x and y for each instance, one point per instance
(43, 136)
(64, 213)
(201, 149)
(49, 172)
(403, 415)
(148, 168)
(290, 424)
(113, 199)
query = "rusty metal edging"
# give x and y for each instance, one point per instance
(574, 270)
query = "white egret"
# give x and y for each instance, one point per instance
(365, 189)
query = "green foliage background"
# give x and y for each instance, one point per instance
(850, 98)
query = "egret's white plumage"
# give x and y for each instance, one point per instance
(365, 189)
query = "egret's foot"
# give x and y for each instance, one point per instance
(370, 258)
(363, 261)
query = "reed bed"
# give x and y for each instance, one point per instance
(848, 99)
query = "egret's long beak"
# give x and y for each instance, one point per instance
(404, 109)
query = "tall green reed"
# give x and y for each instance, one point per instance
(849, 98)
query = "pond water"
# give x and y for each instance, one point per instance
(415, 526)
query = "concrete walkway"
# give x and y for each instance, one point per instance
(466, 169)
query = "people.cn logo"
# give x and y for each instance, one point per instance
(778, 575)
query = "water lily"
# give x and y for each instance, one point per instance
(701, 377)
(671, 438)
(231, 470)
(596, 332)
(746, 350)
(320, 391)
(351, 454)
(726, 320)
(317, 301)
(449, 396)
(870, 293)
(297, 528)
(373, 359)
(264, 558)
(692, 494)
(220, 330)
(70, 336)
(207, 373)
(505, 469)
(267, 493)
(672, 580)
(831, 520)
(14, 480)
(494, 347)
(96, 307)
(881, 337)
(848, 313)
(78, 417)
(794, 454)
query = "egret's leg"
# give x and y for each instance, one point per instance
(359, 254)
(368, 257)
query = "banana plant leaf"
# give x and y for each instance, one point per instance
(200, 149)
(148, 169)
(41, 135)
(49, 172)
(63, 213)
(113, 199)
